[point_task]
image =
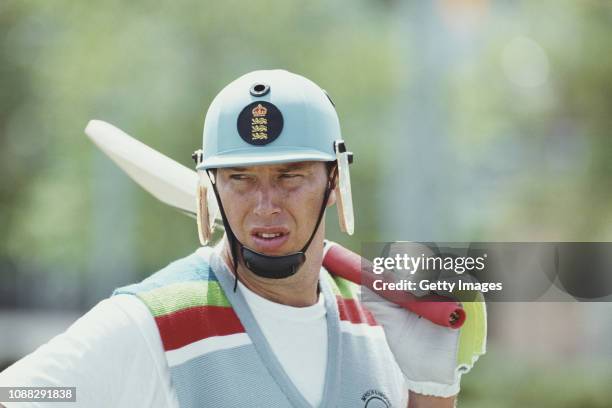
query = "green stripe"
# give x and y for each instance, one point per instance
(343, 287)
(169, 299)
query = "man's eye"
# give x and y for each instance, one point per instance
(290, 175)
(239, 177)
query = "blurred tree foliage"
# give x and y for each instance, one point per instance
(543, 147)
(503, 380)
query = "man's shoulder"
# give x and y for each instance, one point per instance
(194, 267)
(114, 346)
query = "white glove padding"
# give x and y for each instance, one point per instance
(427, 354)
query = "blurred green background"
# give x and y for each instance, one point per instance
(470, 120)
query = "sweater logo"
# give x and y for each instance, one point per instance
(376, 399)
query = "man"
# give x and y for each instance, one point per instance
(256, 321)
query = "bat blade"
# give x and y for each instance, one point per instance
(167, 180)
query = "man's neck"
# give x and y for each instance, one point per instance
(299, 290)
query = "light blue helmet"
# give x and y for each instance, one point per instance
(270, 117)
(267, 117)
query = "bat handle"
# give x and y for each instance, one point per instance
(342, 262)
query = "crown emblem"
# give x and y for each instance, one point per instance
(259, 111)
(259, 123)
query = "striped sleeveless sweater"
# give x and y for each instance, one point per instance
(218, 356)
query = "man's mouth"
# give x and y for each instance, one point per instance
(269, 240)
(267, 235)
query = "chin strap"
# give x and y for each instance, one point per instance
(267, 266)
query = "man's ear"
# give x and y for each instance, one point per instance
(332, 170)
(331, 200)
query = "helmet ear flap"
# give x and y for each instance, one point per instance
(207, 208)
(343, 189)
(345, 213)
(203, 215)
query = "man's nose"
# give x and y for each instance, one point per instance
(267, 199)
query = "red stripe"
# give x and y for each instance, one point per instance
(354, 312)
(185, 326)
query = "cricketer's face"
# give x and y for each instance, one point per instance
(273, 208)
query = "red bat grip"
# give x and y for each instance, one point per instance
(347, 264)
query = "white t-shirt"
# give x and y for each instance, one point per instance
(113, 354)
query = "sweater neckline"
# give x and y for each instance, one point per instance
(269, 359)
